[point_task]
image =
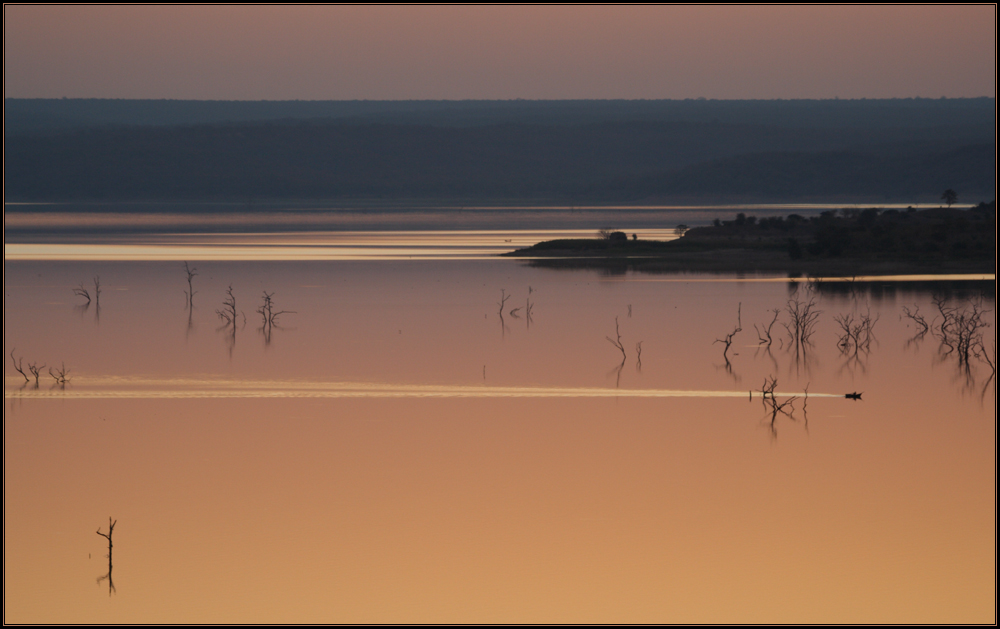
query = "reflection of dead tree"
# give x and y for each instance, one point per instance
(617, 341)
(189, 294)
(527, 309)
(111, 530)
(97, 291)
(638, 356)
(982, 354)
(766, 350)
(61, 375)
(768, 389)
(773, 406)
(630, 311)
(991, 361)
(764, 333)
(805, 403)
(728, 340)
(617, 371)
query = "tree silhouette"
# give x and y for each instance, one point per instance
(949, 196)
(111, 531)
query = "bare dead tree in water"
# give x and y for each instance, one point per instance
(229, 316)
(503, 300)
(228, 311)
(97, 291)
(968, 328)
(111, 531)
(18, 362)
(269, 315)
(944, 333)
(917, 318)
(189, 294)
(36, 371)
(961, 329)
(764, 332)
(61, 375)
(638, 356)
(80, 291)
(617, 341)
(728, 340)
(857, 333)
(802, 326)
(267, 311)
(527, 309)
(33, 368)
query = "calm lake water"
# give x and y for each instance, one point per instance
(393, 449)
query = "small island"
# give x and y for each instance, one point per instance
(842, 242)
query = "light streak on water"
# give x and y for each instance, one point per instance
(381, 245)
(965, 277)
(120, 387)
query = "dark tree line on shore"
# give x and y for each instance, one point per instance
(953, 233)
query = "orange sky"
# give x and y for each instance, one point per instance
(214, 52)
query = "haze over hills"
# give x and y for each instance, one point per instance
(577, 151)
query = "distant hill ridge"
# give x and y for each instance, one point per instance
(764, 151)
(34, 115)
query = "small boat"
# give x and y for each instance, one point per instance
(853, 396)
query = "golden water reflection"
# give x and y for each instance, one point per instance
(381, 245)
(121, 387)
(400, 450)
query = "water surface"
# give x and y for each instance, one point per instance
(396, 450)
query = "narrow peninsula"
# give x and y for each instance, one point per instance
(844, 242)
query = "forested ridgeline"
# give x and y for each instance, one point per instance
(566, 150)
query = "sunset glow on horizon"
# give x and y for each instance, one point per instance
(392, 53)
